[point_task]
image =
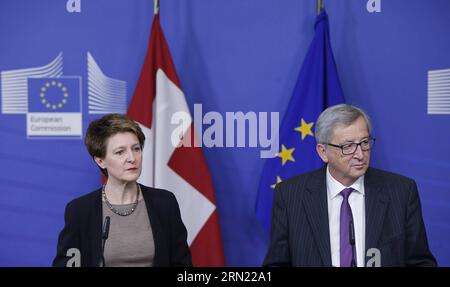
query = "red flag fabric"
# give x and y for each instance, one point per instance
(179, 169)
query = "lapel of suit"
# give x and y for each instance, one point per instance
(155, 224)
(376, 206)
(96, 226)
(316, 208)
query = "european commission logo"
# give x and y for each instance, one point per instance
(54, 107)
(52, 101)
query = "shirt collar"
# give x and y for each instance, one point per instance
(334, 187)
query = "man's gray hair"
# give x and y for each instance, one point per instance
(342, 114)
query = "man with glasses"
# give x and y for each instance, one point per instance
(347, 213)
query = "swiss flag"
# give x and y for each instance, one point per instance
(181, 170)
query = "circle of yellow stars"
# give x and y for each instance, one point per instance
(286, 154)
(46, 102)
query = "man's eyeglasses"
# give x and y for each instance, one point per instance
(351, 148)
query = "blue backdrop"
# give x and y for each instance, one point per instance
(231, 55)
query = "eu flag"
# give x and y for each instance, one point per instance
(316, 89)
(54, 95)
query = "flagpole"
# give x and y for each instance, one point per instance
(156, 9)
(319, 6)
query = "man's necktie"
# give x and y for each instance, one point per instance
(346, 246)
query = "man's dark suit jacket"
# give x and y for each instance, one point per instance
(300, 231)
(83, 229)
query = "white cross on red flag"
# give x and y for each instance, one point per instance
(181, 170)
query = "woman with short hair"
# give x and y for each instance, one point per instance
(145, 223)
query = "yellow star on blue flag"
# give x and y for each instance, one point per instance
(286, 154)
(305, 129)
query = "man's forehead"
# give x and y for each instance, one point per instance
(353, 132)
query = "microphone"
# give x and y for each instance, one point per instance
(105, 233)
(352, 243)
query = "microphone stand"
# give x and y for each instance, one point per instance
(352, 243)
(105, 234)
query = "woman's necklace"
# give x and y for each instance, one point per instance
(118, 212)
